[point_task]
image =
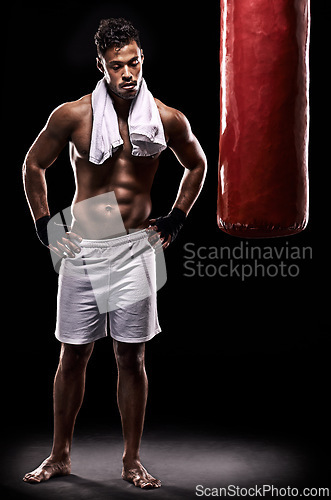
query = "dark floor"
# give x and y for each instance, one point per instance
(182, 460)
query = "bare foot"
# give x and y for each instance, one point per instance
(136, 474)
(47, 469)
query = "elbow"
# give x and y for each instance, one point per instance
(32, 172)
(27, 170)
(202, 168)
(30, 166)
(24, 168)
(202, 172)
(202, 164)
(205, 165)
(198, 174)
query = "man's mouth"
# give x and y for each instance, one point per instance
(129, 85)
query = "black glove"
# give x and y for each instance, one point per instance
(171, 224)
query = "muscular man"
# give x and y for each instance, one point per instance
(130, 178)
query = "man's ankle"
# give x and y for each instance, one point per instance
(131, 458)
(61, 455)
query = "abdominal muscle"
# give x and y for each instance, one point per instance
(105, 216)
(102, 209)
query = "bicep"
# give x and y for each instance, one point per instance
(50, 142)
(184, 144)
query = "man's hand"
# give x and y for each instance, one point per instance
(169, 226)
(67, 246)
(156, 239)
(53, 236)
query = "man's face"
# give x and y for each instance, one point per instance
(122, 69)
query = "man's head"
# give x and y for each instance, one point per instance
(120, 56)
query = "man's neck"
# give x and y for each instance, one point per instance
(121, 106)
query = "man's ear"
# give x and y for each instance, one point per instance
(142, 56)
(100, 65)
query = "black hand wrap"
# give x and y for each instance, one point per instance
(50, 235)
(171, 224)
(41, 228)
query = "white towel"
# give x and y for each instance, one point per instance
(144, 122)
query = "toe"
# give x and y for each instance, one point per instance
(150, 483)
(29, 478)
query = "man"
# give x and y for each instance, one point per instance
(129, 178)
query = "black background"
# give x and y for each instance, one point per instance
(247, 356)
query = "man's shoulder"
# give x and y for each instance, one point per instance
(174, 121)
(69, 116)
(167, 113)
(73, 110)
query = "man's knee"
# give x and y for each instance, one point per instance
(130, 357)
(74, 358)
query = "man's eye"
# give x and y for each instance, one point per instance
(115, 67)
(135, 62)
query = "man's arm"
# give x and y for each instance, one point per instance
(44, 151)
(190, 154)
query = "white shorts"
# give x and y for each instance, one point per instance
(115, 277)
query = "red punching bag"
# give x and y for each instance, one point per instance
(263, 160)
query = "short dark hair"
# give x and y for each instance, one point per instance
(115, 33)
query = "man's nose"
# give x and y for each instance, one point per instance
(126, 75)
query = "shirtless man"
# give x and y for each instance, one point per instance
(120, 59)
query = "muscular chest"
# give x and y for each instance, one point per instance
(122, 169)
(81, 141)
